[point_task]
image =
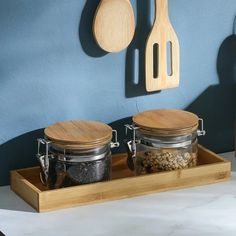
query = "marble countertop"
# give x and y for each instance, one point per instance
(205, 210)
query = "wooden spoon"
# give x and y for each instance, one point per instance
(114, 25)
(156, 59)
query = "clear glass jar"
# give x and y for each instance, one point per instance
(66, 168)
(165, 153)
(153, 149)
(76, 153)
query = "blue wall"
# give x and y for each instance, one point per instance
(51, 70)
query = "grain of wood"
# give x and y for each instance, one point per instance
(162, 32)
(114, 25)
(212, 169)
(166, 121)
(79, 134)
(25, 189)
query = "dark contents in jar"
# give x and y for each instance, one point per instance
(65, 174)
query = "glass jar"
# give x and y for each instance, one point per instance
(163, 140)
(81, 159)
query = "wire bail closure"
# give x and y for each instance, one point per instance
(116, 143)
(201, 132)
(43, 159)
(134, 140)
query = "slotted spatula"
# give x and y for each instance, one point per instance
(161, 61)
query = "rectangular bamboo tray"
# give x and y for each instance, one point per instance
(26, 183)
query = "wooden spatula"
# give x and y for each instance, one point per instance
(114, 25)
(158, 56)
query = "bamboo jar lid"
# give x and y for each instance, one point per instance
(166, 122)
(78, 134)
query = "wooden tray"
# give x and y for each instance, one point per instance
(25, 182)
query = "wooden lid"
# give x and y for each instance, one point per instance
(166, 121)
(79, 134)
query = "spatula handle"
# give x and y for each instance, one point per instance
(161, 9)
(234, 26)
(161, 63)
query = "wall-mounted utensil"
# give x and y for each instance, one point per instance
(162, 52)
(114, 24)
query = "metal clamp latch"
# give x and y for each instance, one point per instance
(116, 143)
(201, 131)
(132, 145)
(43, 159)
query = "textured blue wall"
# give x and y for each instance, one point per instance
(51, 70)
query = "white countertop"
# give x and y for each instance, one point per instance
(204, 210)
